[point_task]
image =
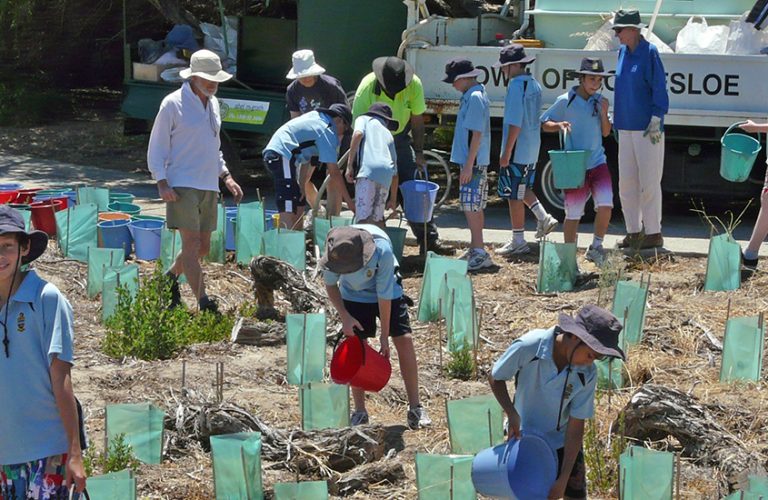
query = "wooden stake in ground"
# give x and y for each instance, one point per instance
(183, 376)
(219, 381)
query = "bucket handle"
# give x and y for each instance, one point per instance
(759, 135)
(563, 135)
(84, 493)
(359, 336)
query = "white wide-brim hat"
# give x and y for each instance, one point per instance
(304, 65)
(207, 65)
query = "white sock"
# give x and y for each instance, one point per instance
(597, 242)
(518, 236)
(538, 211)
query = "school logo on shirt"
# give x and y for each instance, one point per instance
(20, 323)
(568, 391)
(369, 273)
(634, 68)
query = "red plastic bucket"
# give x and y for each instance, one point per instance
(43, 217)
(356, 363)
(8, 196)
(25, 195)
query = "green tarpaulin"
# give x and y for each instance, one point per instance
(305, 339)
(557, 267)
(474, 424)
(305, 490)
(444, 477)
(99, 260)
(457, 304)
(322, 226)
(97, 196)
(76, 231)
(113, 486)
(286, 245)
(743, 349)
(434, 272)
(324, 406)
(629, 299)
(646, 474)
(124, 276)
(723, 264)
(142, 428)
(237, 465)
(249, 232)
(218, 253)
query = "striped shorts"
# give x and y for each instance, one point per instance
(473, 196)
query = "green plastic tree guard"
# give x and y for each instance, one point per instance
(170, 248)
(629, 300)
(434, 272)
(322, 226)
(457, 306)
(218, 253)
(444, 477)
(557, 267)
(723, 264)
(305, 339)
(27, 216)
(610, 373)
(305, 490)
(98, 260)
(76, 231)
(286, 245)
(237, 465)
(324, 406)
(142, 427)
(474, 423)
(97, 196)
(249, 232)
(759, 486)
(124, 276)
(113, 486)
(743, 349)
(637, 466)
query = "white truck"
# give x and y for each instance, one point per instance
(707, 93)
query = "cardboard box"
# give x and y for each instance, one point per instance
(149, 72)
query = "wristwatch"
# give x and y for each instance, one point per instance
(225, 175)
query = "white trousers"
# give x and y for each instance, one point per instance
(641, 165)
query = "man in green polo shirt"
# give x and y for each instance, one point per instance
(393, 83)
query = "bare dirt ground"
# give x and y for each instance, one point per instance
(674, 351)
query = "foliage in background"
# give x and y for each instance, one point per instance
(23, 104)
(461, 366)
(148, 328)
(601, 454)
(117, 457)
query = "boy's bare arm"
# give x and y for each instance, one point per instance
(506, 150)
(354, 145)
(499, 389)
(574, 440)
(61, 382)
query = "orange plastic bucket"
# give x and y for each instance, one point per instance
(113, 216)
(356, 363)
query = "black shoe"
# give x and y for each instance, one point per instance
(437, 247)
(748, 267)
(175, 291)
(208, 304)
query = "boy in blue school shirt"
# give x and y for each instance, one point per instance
(373, 149)
(522, 134)
(471, 150)
(40, 442)
(555, 387)
(290, 149)
(361, 278)
(581, 114)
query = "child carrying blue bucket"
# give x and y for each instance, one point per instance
(760, 231)
(555, 380)
(582, 112)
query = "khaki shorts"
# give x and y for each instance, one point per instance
(195, 210)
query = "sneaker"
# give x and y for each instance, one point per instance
(631, 240)
(437, 247)
(748, 267)
(208, 304)
(596, 255)
(359, 418)
(465, 254)
(545, 226)
(652, 241)
(175, 291)
(512, 248)
(479, 259)
(418, 418)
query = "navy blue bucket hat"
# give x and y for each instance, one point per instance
(11, 222)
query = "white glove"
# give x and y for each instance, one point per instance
(653, 132)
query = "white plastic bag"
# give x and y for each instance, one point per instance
(214, 41)
(744, 39)
(606, 39)
(699, 38)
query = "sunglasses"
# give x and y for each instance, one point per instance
(618, 30)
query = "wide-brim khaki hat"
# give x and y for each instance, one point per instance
(304, 65)
(206, 65)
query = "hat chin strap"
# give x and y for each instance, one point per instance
(565, 385)
(7, 342)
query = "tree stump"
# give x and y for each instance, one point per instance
(270, 275)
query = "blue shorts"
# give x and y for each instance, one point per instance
(285, 172)
(515, 179)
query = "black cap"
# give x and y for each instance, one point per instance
(383, 112)
(513, 54)
(338, 110)
(11, 221)
(592, 66)
(392, 73)
(597, 328)
(460, 68)
(627, 19)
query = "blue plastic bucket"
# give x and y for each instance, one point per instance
(269, 222)
(11, 186)
(146, 235)
(72, 195)
(419, 200)
(397, 237)
(737, 154)
(115, 234)
(518, 469)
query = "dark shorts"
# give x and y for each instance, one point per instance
(515, 179)
(284, 172)
(366, 313)
(577, 483)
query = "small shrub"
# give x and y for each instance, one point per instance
(601, 455)
(461, 366)
(117, 457)
(147, 327)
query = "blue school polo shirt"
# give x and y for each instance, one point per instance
(377, 156)
(586, 127)
(522, 108)
(308, 135)
(376, 279)
(474, 116)
(39, 329)
(540, 386)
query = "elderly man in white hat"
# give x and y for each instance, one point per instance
(184, 158)
(312, 89)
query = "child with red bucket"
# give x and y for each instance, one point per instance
(361, 278)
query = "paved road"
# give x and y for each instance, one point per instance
(683, 232)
